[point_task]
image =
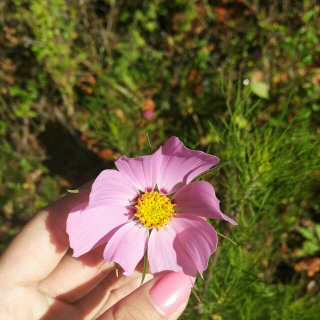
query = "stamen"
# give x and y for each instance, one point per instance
(155, 210)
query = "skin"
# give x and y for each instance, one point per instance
(39, 278)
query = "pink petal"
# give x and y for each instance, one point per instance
(198, 238)
(179, 165)
(140, 171)
(166, 253)
(111, 188)
(127, 246)
(88, 229)
(148, 114)
(199, 198)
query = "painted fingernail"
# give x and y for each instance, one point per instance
(171, 291)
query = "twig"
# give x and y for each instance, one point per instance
(198, 124)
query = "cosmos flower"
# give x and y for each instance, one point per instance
(148, 114)
(150, 205)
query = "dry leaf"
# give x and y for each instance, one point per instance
(106, 154)
(149, 104)
(311, 266)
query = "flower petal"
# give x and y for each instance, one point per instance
(166, 253)
(199, 198)
(88, 229)
(111, 188)
(127, 246)
(198, 237)
(179, 165)
(140, 171)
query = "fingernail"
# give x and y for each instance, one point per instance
(171, 291)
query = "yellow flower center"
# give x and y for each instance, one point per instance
(155, 210)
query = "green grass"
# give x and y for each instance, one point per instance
(234, 79)
(262, 188)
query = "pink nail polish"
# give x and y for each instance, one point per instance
(171, 291)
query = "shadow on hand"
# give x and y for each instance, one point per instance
(62, 310)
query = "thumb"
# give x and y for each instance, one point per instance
(161, 298)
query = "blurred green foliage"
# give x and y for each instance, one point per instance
(81, 82)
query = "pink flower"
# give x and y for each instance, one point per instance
(148, 114)
(150, 205)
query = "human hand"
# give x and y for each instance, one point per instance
(39, 278)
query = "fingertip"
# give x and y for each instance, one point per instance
(160, 298)
(170, 292)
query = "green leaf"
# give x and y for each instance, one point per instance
(145, 264)
(310, 248)
(73, 191)
(3, 127)
(318, 231)
(195, 294)
(308, 15)
(147, 134)
(223, 236)
(260, 89)
(78, 190)
(117, 270)
(202, 175)
(307, 234)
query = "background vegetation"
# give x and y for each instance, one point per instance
(82, 81)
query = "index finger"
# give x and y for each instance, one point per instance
(35, 252)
